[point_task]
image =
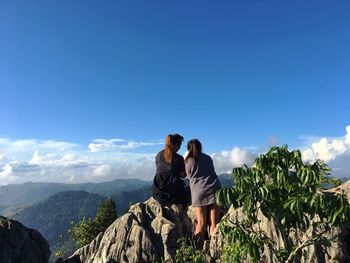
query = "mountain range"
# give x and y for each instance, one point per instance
(52, 217)
(50, 207)
(29, 193)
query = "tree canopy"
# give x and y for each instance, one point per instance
(87, 229)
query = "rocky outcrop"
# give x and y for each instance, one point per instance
(337, 252)
(148, 232)
(343, 189)
(19, 244)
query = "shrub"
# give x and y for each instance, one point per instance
(187, 252)
(290, 192)
(87, 229)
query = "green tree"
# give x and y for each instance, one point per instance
(288, 191)
(105, 215)
(87, 229)
(186, 252)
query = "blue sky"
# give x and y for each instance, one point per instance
(244, 74)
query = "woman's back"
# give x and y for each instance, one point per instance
(176, 166)
(204, 183)
(203, 179)
(167, 187)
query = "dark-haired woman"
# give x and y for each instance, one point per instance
(168, 188)
(204, 183)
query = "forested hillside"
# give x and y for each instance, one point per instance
(29, 193)
(52, 217)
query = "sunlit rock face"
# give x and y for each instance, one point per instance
(148, 232)
(339, 237)
(19, 244)
(337, 252)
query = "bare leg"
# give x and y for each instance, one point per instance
(214, 214)
(201, 216)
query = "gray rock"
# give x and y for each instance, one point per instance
(336, 253)
(148, 232)
(19, 244)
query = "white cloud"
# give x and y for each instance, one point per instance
(5, 158)
(50, 161)
(334, 151)
(36, 158)
(226, 160)
(57, 159)
(7, 175)
(328, 149)
(69, 157)
(31, 150)
(102, 170)
(103, 160)
(347, 136)
(6, 171)
(18, 146)
(100, 145)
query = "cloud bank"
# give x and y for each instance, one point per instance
(225, 161)
(103, 159)
(100, 145)
(51, 161)
(334, 151)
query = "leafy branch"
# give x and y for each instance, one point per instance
(287, 191)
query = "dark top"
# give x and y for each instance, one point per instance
(168, 188)
(177, 165)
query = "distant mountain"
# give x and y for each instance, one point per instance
(344, 179)
(12, 211)
(29, 193)
(225, 180)
(2, 209)
(52, 217)
(125, 199)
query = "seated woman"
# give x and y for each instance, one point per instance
(168, 188)
(203, 183)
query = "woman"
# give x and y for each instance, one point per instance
(168, 188)
(204, 183)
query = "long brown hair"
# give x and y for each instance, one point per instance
(170, 141)
(194, 148)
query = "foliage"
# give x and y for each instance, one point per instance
(105, 215)
(187, 253)
(288, 191)
(250, 242)
(59, 254)
(87, 229)
(83, 232)
(61, 251)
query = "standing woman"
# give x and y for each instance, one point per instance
(168, 188)
(204, 183)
